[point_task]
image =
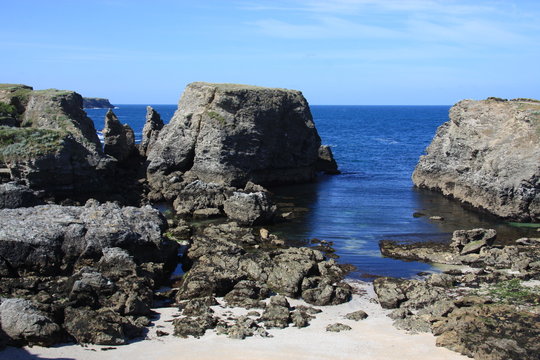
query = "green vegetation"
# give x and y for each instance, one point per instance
(27, 143)
(514, 292)
(214, 115)
(7, 110)
(525, 225)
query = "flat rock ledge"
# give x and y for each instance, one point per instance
(488, 308)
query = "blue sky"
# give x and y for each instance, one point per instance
(334, 51)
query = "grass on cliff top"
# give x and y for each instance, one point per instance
(230, 86)
(53, 92)
(27, 143)
(14, 86)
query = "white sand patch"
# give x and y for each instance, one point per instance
(373, 338)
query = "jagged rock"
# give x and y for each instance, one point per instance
(471, 241)
(323, 291)
(338, 327)
(326, 161)
(199, 306)
(118, 138)
(356, 315)
(57, 150)
(193, 326)
(389, 292)
(24, 324)
(490, 332)
(432, 252)
(14, 195)
(199, 195)
(414, 294)
(207, 213)
(96, 103)
(49, 239)
(102, 327)
(250, 208)
(151, 129)
(487, 156)
(232, 134)
(247, 294)
(277, 312)
(300, 318)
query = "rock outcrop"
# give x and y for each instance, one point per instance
(96, 103)
(231, 134)
(151, 129)
(84, 273)
(488, 155)
(118, 138)
(55, 147)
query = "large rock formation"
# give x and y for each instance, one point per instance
(231, 134)
(54, 147)
(488, 155)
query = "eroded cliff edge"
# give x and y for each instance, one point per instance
(488, 155)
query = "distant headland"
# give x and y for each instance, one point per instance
(96, 103)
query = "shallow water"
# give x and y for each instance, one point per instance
(373, 199)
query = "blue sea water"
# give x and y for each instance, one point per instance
(377, 148)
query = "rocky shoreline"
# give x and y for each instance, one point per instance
(85, 258)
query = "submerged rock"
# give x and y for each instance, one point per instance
(487, 155)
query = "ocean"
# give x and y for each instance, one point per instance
(376, 148)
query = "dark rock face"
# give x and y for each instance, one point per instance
(119, 139)
(249, 208)
(91, 270)
(487, 156)
(13, 195)
(151, 129)
(326, 161)
(231, 134)
(96, 103)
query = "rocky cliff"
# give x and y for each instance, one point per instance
(96, 103)
(232, 134)
(488, 155)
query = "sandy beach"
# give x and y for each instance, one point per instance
(373, 338)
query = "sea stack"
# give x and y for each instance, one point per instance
(230, 134)
(488, 155)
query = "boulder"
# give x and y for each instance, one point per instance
(338, 327)
(118, 138)
(487, 155)
(151, 129)
(14, 195)
(52, 239)
(24, 324)
(231, 134)
(471, 241)
(277, 313)
(250, 209)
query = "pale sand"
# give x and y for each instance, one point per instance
(373, 338)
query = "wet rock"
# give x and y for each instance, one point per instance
(102, 327)
(338, 327)
(119, 139)
(356, 315)
(23, 323)
(277, 312)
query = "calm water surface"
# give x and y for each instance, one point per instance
(376, 148)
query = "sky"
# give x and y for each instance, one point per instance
(339, 52)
